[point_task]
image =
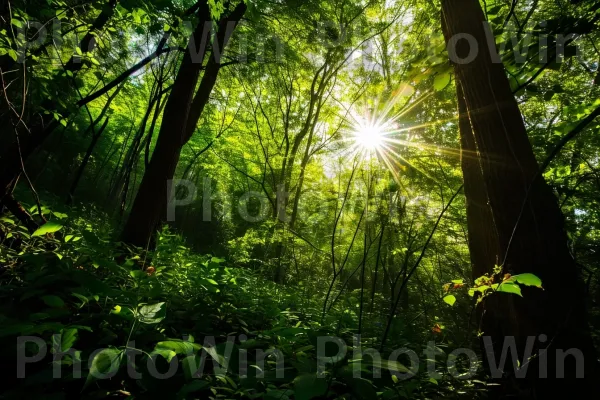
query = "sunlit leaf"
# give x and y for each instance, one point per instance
(441, 81)
(528, 280)
(450, 299)
(48, 227)
(509, 287)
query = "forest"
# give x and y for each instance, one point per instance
(299, 199)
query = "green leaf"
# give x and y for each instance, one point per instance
(509, 287)
(53, 301)
(528, 280)
(304, 348)
(104, 364)
(7, 220)
(123, 312)
(48, 227)
(167, 28)
(152, 314)
(16, 22)
(494, 10)
(212, 351)
(81, 297)
(308, 386)
(178, 347)
(13, 54)
(165, 353)
(137, 274)
(441, 81)
(68, 237)
(59, 214)
(67, 339)
(450, 300)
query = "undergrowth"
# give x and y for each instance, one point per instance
(85, 316)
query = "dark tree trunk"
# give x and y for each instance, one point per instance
(482, 235)
(180, 117)
(527, 232)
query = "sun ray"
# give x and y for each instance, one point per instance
(377, 134)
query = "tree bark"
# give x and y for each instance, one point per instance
(180, 117)
(482, 235)
(528, 228)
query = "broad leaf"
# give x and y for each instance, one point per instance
(212, 351)
(178, 346)
(441, 81)
(152, 314)
(48, 227)
(528, 280)
(53, 301)
(450, 299)
(165, 353)
(67, 338)
(105, 363)
(509, 287)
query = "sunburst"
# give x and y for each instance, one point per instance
(378, 134)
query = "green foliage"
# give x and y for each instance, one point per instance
(450, 299)
(363, 250)
(48, 227)
(110, 300)
(487, 285)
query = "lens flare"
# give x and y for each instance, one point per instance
(369, 136)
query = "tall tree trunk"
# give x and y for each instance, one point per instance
(482, 235)
(182, 112)
(528, 227)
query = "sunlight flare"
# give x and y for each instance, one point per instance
(369, 136)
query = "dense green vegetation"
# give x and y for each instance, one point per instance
(236, 199)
